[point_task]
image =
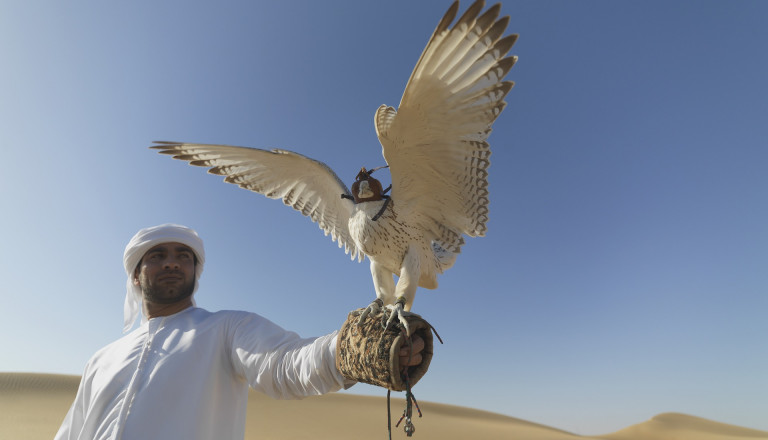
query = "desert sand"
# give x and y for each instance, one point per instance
(33, 405)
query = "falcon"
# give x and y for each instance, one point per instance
(435, 146)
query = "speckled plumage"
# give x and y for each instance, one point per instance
(435, 145)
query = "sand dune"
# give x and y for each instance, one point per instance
(672, 426)
(33, 405)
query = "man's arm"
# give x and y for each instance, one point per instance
(281, 364)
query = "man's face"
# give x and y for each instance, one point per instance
(166, 273)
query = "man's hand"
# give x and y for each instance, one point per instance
(410, 354)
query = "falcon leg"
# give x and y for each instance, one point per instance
(410, 271)
(384, 284)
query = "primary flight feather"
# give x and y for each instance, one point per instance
(435, 145)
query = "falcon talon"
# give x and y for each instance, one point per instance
(374, 308)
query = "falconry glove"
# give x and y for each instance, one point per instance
(368, 351)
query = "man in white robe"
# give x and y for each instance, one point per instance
(184, 372)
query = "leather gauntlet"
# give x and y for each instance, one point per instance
(369, 353)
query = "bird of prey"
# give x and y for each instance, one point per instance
(435, 145)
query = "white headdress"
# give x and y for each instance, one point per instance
(143, 241)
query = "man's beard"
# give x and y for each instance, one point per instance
(160, 294)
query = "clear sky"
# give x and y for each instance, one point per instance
(625, 270)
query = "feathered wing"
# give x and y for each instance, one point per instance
(435, 143)
(307, 185)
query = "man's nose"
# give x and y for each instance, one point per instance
(171, 263)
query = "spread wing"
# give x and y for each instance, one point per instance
(307, 185)
(435, 143)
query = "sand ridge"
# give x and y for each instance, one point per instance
(32, 407)
(672, 426)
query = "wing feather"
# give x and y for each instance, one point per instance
(307, 185)
(436, 142)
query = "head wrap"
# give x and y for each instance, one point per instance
(145, 240)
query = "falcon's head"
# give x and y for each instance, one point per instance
(366, 188)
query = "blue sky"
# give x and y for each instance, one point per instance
(624, 271)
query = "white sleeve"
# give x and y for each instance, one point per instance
(281, 364)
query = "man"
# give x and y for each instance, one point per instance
(184, 372)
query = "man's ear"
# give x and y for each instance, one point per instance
(136, 275)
